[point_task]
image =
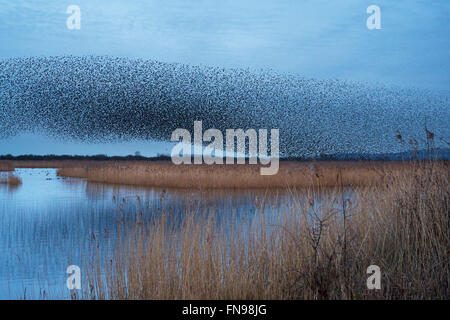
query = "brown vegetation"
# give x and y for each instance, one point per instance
(291, 174)
(46, 164)
(10, 179)
(6, 166)
(309, 252)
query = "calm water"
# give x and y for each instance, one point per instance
(49, 223)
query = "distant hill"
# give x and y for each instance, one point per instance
(439, 154)
(99, 99)
(99, 157)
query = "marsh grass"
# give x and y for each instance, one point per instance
(6, 166)
(10, 179)
(318, 248)
(164, 174)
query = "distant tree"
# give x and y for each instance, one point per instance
(137, 154)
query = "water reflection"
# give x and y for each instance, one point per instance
(49, 223)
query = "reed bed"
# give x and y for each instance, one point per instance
(314, 249)
(6, 166)
(10, 179)
(164, 174)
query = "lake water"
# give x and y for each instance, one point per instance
(49, 223)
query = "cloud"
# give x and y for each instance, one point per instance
(105, 99)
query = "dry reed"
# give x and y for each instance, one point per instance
(307, 252)
(10, 179)
(6, 166)
(45, 164)
(292, 174)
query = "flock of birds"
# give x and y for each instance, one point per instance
(95, 99)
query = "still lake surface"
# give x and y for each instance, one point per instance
(49, 223)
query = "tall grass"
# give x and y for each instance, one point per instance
(314, 249)
(10, 179)
(6, 166)
(292, 174)
(45, 164)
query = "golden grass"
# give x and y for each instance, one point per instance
(293, 174)
(314, 249)
(6, 166)
(10, 179)
(45, 164)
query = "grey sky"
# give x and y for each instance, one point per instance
(313, 38)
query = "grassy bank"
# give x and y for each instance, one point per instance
(291, 174)
(6, 166)
(314, 249)
(45, 164)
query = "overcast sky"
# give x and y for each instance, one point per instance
(312, 38)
